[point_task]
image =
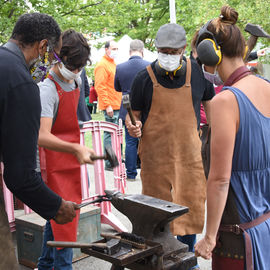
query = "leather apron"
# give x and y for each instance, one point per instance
(170, 153)
(63, 169)
(229, 245)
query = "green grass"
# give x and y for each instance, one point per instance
(99, 116)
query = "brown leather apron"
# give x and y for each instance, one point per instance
(170, 152)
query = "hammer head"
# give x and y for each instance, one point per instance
(111, 156)
(256, 30)
(125, 101)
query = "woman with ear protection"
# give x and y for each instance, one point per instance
(60, 136)
(238, 189)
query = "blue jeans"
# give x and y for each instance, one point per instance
(52, 258)
(131, 155)
(107, 135)
(190, 240)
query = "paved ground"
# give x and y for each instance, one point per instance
(91, 263)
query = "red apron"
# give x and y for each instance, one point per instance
(63, 169)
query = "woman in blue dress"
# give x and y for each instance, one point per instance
(238, 189)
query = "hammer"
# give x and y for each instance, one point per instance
(126, 105)
(109, 155)
(110, 247)
(255, 31)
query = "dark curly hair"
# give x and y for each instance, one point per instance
(32, 27)
(75, 51)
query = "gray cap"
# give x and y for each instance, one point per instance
(171, 35)
(136, 45)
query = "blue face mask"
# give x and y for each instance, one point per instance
(213, 78)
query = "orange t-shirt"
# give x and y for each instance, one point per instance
(104, 84)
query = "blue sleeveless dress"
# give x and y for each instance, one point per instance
(250, 178)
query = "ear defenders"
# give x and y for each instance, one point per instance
(246, 53)
(181, 70)
(208, 50)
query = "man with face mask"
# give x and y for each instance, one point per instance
(108, 99)
(165, 99)
(33, 35)
(60, 136)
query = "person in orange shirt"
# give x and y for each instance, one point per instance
(108, 99)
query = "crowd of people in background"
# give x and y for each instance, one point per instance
(45, 94)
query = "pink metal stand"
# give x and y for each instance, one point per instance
(9, 203)
(95, 128)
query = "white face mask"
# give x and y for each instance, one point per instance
(114, 54)
(168, 61)
(212, 77)
(67, 74)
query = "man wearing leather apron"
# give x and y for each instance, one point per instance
(165, 99)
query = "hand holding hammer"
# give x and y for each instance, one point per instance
(109, 155)
(134, 129)
(126, 105)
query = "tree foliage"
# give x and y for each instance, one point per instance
(137, 18)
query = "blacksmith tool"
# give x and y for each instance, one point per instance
(255, 31)
(110, 247)
(128, 238)
(100, 198)
(126, 105)
(109, 155)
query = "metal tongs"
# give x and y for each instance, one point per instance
(100, 198)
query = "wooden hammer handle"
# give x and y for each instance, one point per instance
(251, 44)
(131, 116)
(98, 157)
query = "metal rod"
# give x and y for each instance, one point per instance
(63, 244)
